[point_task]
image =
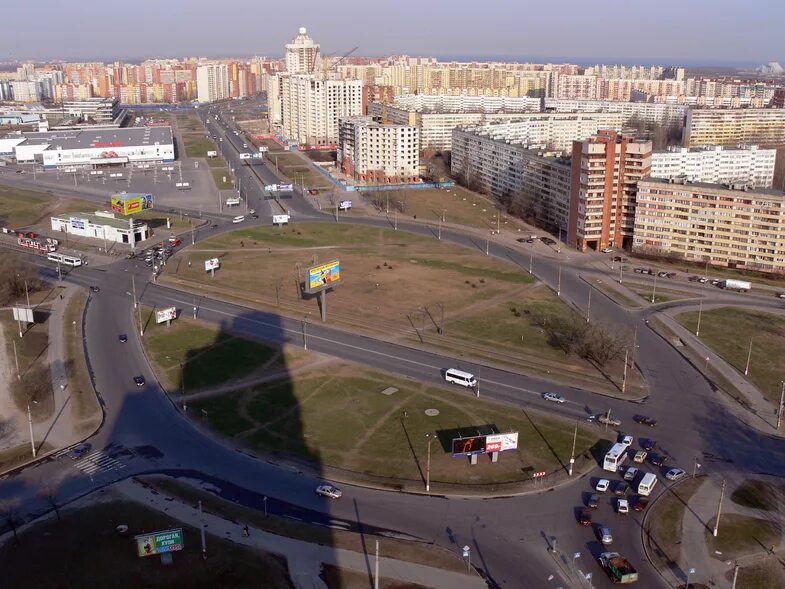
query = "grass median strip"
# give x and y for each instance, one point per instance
(665, 519)
(84, 403)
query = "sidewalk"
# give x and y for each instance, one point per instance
(304, 559)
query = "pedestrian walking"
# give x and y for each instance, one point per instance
(246, 531)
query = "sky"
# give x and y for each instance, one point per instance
(684, 32)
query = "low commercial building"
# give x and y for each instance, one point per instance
(751, 126)
(97, 148)
(748, 165)
(103, 225)
(724, 225)
(369, 151)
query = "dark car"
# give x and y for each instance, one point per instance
(640, 503)
(594, 501)
(214, 226)
(139, 380)
(79, 450)
(648, 444)
(123, 338)
(584, 517)
(657, 459)
(644, 420)
(621, 489)
(95, 289)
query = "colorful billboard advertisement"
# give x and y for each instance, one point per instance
(130, 203)
(484, 444)
(322, 276)
(159, 542)
(501, 442)
(165, 314)
(468, 446)
(212, 264)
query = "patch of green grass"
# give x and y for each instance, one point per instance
(740, 535)
(728, 331)
(223, 414)
(218, 177)
(84, 550)
(658, 298)
(665, 521)
(198, 145)
(761, 575)
(84, 404)
(35, 387)
(521, 276)
(756, 494)
(208, 357)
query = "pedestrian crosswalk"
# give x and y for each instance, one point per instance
(98, 462)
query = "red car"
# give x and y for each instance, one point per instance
(640, 503)
(584, 517)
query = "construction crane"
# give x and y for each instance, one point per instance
(333, 64)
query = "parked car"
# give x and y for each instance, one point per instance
(645, 420)
(123, 338)
(238, 219)
(675, 474)
(584, 517)
(647, 444)
(640, 456)
(556, 398)
(79, 450)
(622, 506)
(671, 275)
(621, 489)
(627, 440)
(657, 459)
(630, 474)
(604, 535)
(781, 295)
(640, 502)
(602, 485)
(139, 380)
(95, 289)
(715, 281)
(329, 491)
(662, 274)
(594, 501)
(606, 250)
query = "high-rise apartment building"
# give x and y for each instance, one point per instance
(760, 126)
(302, 54)
(605, 172)
(373, 152)
(748, 165)
(724, 225)
(212, 82)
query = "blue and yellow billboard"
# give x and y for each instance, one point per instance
(322, 276)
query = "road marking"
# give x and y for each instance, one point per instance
(98, 462)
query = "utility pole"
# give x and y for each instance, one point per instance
(634, 345)
(588, 307)
(574, 441)
(19, 376)
(30, 423)
(305, 333)
(779, 409)
(607, 419)
(27, 294)
(428, 466)
(531, 256)
(624, 378)
(486, 245)
(440, 229)
(654, 290)
(749, 356)
(719, 509)
(621, 272)
(201, 530)
(700, 312)
(133, 290)
(376, 568)
(558, 284)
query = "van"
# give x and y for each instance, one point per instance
(238, 219)
(647, 484)
(460, 377)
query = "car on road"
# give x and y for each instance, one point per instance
(657, 459)
(214, 226)
(602, 485)
(630, 474)
(123, 338)
(594, 501)
(675, 474)
(139, 380)
(95, 289)
(622, 506)
(621, 489)
(329, 491)
(645, 420)
(640, 456)
(640, 502)
(715, 281)
(604, 535)
(625, 439)
(781, 295)
(79, 450)
(647, 444)
(238, 219)
(556, 398)
(606, 250)
(662, 274)
(584, 517)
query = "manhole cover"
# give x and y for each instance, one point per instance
(431, 412)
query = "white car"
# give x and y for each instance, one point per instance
(238, 219)
(553, 397)
(607, 250)
(674, 474)
(627, 440)
(602, 485)
(622, 506)
(329, 491)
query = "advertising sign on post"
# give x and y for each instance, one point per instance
(501, 442)
(23, 314)
(159, 542)
(285, 188)
(232, 201)
(127, 203)
(323, 276)
(166, 314)
(468, 446)
(271, 187)
(344, 205)
(280, 219)
(212, 264)
(212, 154)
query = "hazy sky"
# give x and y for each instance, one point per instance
(712, 32)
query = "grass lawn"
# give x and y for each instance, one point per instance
(761, 575)
(20, 207)
(218, 177)
(209, 357)
(188, 122)
(197, 145)
(728, 331)
(85, 409)
(740, 535)
(338, 417)
(757, 495)
(83, 550)
(658, 298)
(664, 523)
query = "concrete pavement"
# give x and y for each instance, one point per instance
(304, 559)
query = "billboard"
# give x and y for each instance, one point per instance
(212, 154)
(322, 276)
(76, 223)
(165, 314)
(271, 187)
(345, 205)
(212, 264)
(468, 446)
(128, 203)
(501, 442)
(232, 201)
(285, 188)
(159, 542)
(280, 219)
(23, 314)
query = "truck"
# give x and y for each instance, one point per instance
(36, 245)
(739, 285)
(618, 568)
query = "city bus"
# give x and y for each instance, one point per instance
(615, 457)
(64, 259)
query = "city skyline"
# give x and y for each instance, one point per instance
(525, 33)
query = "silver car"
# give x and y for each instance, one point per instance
(329, 491)
(556, 398)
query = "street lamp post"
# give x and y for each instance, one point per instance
(695, 467)
(779, 409)
(305, 332)
(558, 284)
(690, 571)
(719, 510)
(428, 466)
(574, 441)
(700, 312)
(588, 306)
(749, 356)
(624, 378)
(30, 423)
(654, 289)
(531, 256)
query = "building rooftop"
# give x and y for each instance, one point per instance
(103, 218)
(740, 188)
(108, 137)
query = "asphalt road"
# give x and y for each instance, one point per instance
(145, 432)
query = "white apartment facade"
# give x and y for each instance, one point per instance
(212, 82)
(376, 153)
(311, 107)
(647, 112)
(759, 126)
(724, 225)
(302, 54)
(748, 165)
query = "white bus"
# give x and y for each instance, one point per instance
(64, 259)
(615, 457)
(647, 483)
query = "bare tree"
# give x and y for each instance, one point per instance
(49, 494)
(9, 511)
